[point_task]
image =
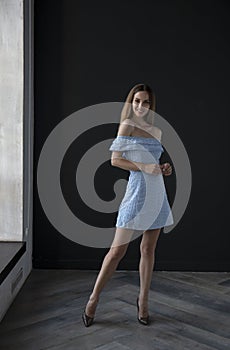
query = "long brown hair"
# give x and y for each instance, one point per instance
(127, 111)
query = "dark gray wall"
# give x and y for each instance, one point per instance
(92, 52)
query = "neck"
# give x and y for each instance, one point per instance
(139, 120)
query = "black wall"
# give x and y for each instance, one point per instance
(94, 52)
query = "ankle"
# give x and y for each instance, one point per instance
(143, 298)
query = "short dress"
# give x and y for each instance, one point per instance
(145, 203)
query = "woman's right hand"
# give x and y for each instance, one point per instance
(151, 168)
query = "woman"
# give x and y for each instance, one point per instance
(145, 206)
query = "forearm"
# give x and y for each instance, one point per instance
(127, 165)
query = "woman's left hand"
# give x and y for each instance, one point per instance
(166, 169)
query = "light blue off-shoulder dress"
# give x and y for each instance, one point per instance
(145, 204)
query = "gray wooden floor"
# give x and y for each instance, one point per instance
(189, 310)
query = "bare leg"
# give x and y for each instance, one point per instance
(146, 265)
(116, 253)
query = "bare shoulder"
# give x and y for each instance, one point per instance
(126, 128)
(157, 133)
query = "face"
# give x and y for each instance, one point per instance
(141, 103)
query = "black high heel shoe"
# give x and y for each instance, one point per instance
(87, 320)
(142, 320)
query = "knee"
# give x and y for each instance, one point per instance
(147, 251)
(116, 253)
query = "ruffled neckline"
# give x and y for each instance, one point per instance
(146, 139)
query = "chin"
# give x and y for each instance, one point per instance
(141, 115)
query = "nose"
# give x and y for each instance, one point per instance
(140, 105)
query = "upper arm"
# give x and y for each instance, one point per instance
(116, 155)
(125, 129)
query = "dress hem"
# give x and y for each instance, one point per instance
(145, 229)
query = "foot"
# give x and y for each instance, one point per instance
(89, 312)
(91, 307)
(142, 309)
